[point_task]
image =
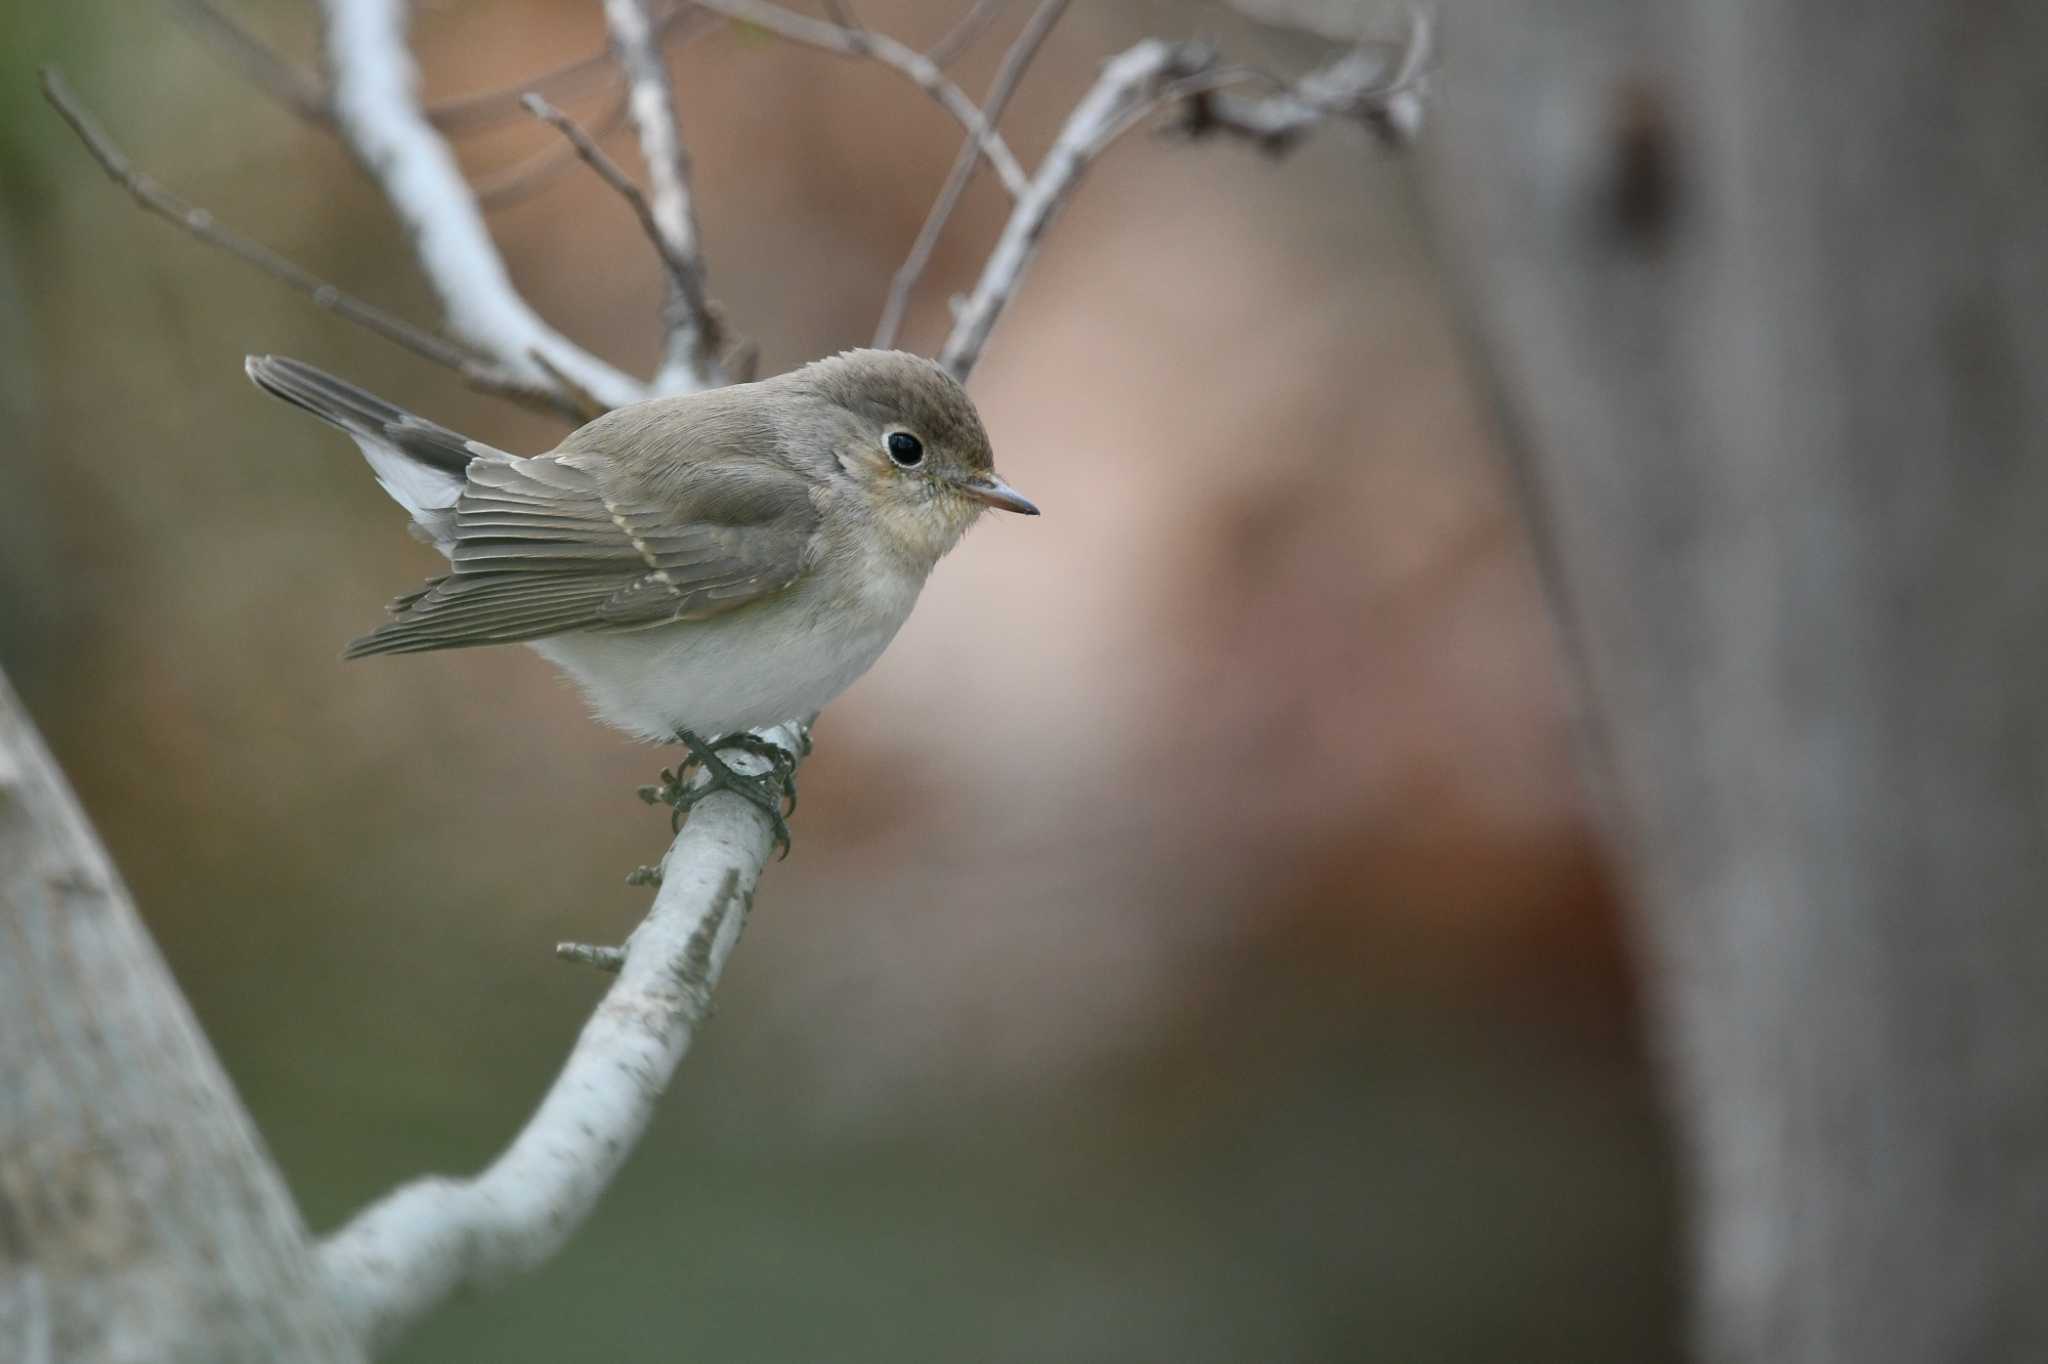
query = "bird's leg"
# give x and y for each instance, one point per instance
(774, 791)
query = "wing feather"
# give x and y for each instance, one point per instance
(539, 547)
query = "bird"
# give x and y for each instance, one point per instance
(701, 565)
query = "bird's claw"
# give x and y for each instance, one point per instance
(773, 791)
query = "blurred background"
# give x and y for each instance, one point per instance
(1252, 991)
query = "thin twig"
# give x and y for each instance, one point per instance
(1127, 81)
(1015, 63)
(966, 32)
(1377, 83)
(606, 959)
(689, 360)
(522, 178)
(201, 223)
(914, 66)
(376, 110)
(278, 78)
(586, 149)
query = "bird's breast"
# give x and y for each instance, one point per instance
(777, 660)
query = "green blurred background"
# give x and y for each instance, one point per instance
(1194, 947)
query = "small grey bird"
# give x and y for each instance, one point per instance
(700, 565)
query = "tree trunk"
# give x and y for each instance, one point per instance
(140, 1219)
(1764, 290)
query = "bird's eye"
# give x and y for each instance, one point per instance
(907, 450)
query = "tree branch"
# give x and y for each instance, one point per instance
(201, 223)
(914, 66)
(416, 1247)
(1015, 63)
(1127, 82)
(371, 76)
(139, 1216)
(690, 357)
(255, 59)
(1379, 84)
(515, 182)
(965, 33)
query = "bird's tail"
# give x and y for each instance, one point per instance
(420, 463)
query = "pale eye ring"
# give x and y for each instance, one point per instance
(907, 450)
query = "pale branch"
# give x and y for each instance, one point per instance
(1379, 84)
(606, 959)
(140, 1218)
(1009, 75)
(965, 32)
(1128, 81)
(372, 78)
(201, 223)
(913, 65)
(515, 182)
(690, 353)
(428, 1240)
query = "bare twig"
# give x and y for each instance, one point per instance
(1377, 83)
(201, 223)
(1128, 81)
(1015, 63)
(1380, 84)
(606, 959)
(966, 32)
(371, 76)
(522, 178)
(690, 356)
(682, 274)
(424, 1242)
(914, 66)
(278, 78)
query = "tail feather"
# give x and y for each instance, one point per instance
(420, 463)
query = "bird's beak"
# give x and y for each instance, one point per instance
(996, 493)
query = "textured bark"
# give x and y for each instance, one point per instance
(140, 1219)
(1764, 290)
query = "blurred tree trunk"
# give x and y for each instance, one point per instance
(140, 1219)
(1764, 289)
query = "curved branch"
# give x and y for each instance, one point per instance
(139, 1215)
(422, 1243)
(1128, 81)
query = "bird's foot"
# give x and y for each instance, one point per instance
(773, 791)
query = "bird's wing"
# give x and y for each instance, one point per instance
(541, 547)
